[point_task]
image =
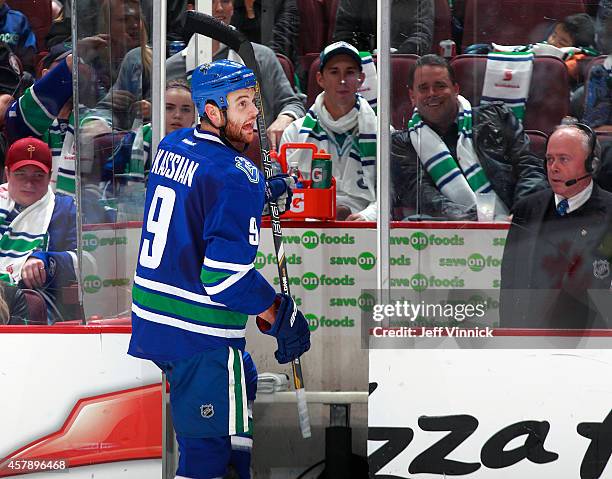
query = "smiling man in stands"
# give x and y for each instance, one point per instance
(450, 154)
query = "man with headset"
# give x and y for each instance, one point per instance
(556, 264)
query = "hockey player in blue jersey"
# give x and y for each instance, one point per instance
(195, 283)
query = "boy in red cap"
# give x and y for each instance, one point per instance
(38, 227)
(27, 168)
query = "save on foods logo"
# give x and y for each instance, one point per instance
(315, 322)
(311, 281)
(310, 239)
(91, 242)
(365, 302)
(419, 241)
(365, 260)
(261, 259)
(475, 262)
(420, 282)
(92, 283)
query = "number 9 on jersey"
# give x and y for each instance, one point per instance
(157, 225)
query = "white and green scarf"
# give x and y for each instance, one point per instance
(461, 179)
(139, 162)
(25, 234)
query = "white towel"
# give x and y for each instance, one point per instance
(24, 235)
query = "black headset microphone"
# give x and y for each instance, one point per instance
(576, 180)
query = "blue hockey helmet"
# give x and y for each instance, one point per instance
(213, 81)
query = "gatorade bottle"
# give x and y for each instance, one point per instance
(321, 170)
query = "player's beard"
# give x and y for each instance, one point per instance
(235, 133)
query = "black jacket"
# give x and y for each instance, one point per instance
(412, 23)
(276, 24)
(550, 263)
(16, 301)
(503, 150)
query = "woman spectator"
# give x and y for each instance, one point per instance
(132, 158)
(121, 19)
(129, 98)
(126, 170)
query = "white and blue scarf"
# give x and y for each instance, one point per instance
(507, 79)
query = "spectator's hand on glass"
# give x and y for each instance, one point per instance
(122, 100)
(91, 47)
(142, 108)
(276, 129)
(33, 273)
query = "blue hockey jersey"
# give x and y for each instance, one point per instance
(15, 30)
(195, 282)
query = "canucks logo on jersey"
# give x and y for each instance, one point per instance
(248, 168)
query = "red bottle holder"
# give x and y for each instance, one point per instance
(318, 203)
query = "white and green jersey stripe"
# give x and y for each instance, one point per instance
(172, 306)
(238, 414)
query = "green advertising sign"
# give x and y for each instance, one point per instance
(92, 284)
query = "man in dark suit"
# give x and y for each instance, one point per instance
(556, 265)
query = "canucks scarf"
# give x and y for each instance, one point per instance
(24, 235)
(369, 89)
(60, 138)
(461, 179)
(140, 160)
(507, 79)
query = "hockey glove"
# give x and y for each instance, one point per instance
(290, 329)
(279, 188)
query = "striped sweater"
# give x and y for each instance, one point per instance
(35, 114)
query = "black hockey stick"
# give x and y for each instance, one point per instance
(208, 26)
